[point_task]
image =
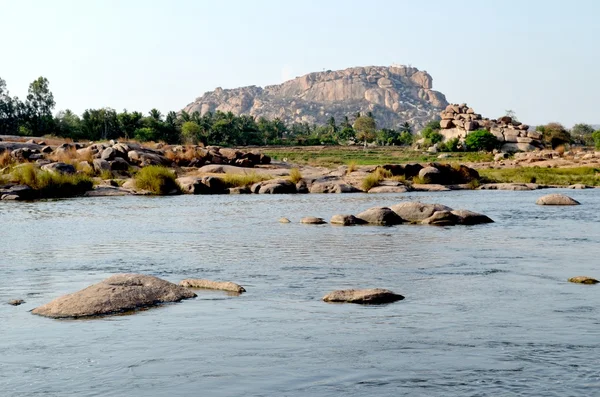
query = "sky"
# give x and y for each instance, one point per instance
(540, 59)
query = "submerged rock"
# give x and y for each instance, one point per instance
(16, 302)
(312, 220)
(372, 296)
(583, 280)
(467, 217)
(380, 216)
(556, 199)
(346, 220)
(284, 220)
(441, 218)
(209, 284)
(416, 212)
(116, 294)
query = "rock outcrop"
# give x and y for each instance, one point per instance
(374, 296)
(116, 294)
(583, 280)
(393, 94)
(459, 120)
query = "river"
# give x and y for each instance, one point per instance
(488, 309)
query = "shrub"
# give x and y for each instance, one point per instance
(51, 184)
(596, 137)
(295, 175)
(157, 180)
(239, 180)
(481, 140)
(554, 134)
(6, 159)
(373, 179)
(351, 167)
(451, 145)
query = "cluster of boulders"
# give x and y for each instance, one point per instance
(405, 212)
(435, 173)
(459, 120)
(119, 156)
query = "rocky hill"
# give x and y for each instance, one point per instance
(394, 95)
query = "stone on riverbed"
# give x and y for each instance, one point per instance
(556, 199)
(441, 218)
(209, 284)
(116, 294)
(373, 296)
(312, 220)
(467, 217)
(284, 220)
(346, 220)
(16, 302)
(416, 212)
(583, 280)
(380, 216)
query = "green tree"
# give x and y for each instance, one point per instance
(39, 105)
(190, 132)
(9, 111)
(596, 137)
(582, 134)
(481, 140)
(365, 128)
(554, 134)
(68, 125)
(129, 122)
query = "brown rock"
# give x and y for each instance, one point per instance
(446, 124)
(312, 220)
(16, 302)
(373, 296)
(415, 212)
(467, 217)
(346, 220)
(471, 125)
(382, 216)
(583, 280)
(556, 199)
(216, 285)
(116, 294)
(442, 218)
(284, 220)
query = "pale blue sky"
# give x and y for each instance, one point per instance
(539, 58)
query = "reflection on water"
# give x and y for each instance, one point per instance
(488, 310)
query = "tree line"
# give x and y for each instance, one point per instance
(34, 117)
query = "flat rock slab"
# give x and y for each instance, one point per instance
(374, 296)
(509, 186)
(583, 280)
(388, 189)
(556, 199)
(116, 294)
(209, 284)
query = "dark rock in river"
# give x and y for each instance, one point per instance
(16, 302)
(373, 296)
(467, 217)
(312, 220)
(346, 220)
(116, 294)
(416, 212)
(441, 218)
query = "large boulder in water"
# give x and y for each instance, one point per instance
(442, 218)
(116, 294)
(346, 220)
(556, 199)
(372, 296)
(380, 216)
(416, 212)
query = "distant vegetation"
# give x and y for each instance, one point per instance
(34, 117)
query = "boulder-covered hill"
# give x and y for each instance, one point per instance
(394, 95)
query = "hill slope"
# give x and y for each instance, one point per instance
(394, 95)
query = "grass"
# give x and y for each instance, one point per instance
(333, 156)
(545, 176)
(374, 178)
(157, 180)
(351, 167)
(71, 156)
(50, 184)
(295, 175)
(6, 159)
(240, 180)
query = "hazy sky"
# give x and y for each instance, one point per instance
(539, 58)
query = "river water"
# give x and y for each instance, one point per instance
(488, 310)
